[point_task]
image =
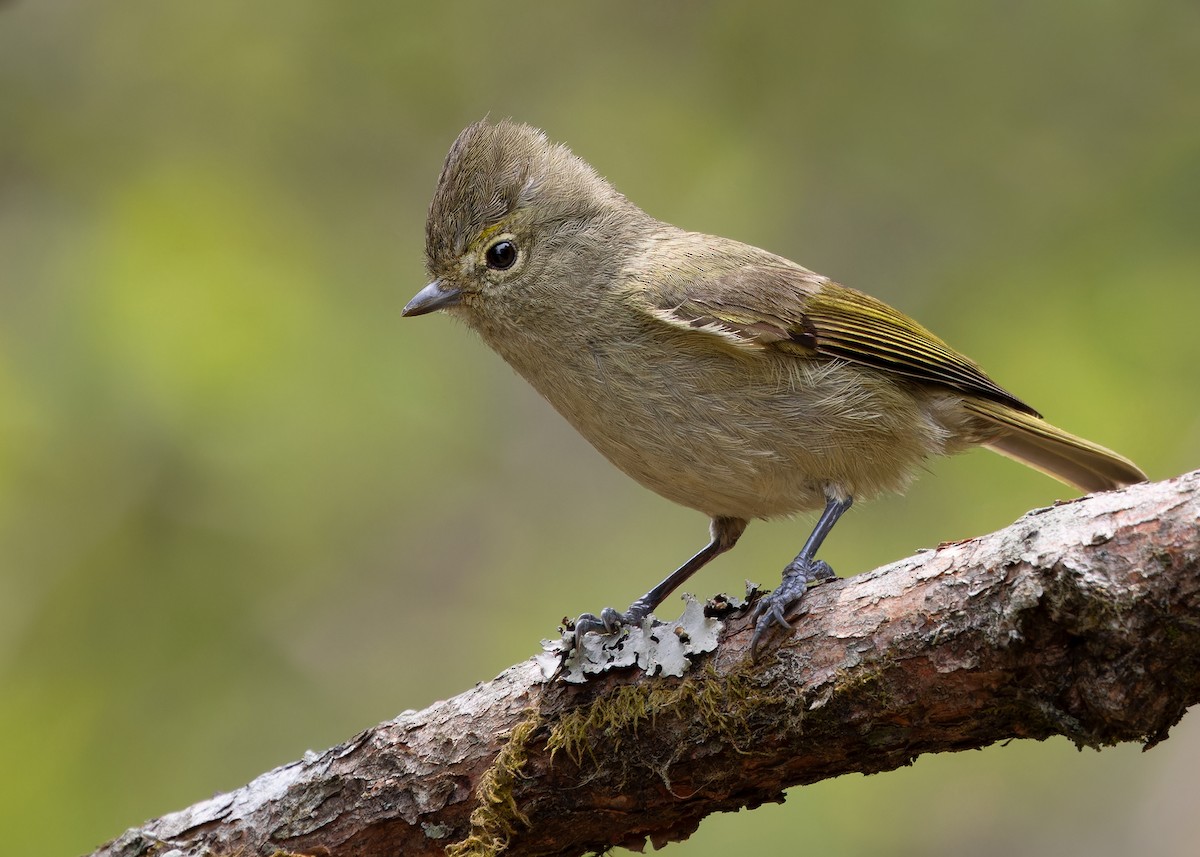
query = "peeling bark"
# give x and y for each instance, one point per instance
(1080, 620)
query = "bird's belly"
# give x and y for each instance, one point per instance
(745, 438)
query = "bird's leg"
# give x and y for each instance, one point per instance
(725, 533)
(799, 573)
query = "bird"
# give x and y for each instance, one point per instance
(719, 375)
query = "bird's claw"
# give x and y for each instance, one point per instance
(773, 608)
(609, 621)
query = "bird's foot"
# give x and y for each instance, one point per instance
(772, 609)
(609, 621)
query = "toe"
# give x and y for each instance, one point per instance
(611, 619)
(584, 624)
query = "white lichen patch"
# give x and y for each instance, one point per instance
(657, 648)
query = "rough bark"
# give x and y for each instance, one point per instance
(1080, 620)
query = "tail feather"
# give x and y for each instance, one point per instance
(1070, 459)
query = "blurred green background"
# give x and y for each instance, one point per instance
(246, 510)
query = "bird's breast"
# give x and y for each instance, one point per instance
(737, 435)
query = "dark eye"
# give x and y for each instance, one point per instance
(501, 255)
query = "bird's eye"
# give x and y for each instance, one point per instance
(501, 256)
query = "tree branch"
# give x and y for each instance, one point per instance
(1080, 620)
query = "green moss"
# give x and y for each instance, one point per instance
(721, 704)
(865, 684)
(495, 820)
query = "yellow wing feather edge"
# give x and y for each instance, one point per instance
(808, 316)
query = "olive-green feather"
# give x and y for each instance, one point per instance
(765, 307)
(790, 309)
(862, 329)
(1042, 446)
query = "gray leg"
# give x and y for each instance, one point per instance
(799, 573)
(725, 533)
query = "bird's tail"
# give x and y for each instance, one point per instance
(1073, 460)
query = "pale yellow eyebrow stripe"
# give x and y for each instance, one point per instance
(487, 232)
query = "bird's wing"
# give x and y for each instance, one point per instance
(781, 308)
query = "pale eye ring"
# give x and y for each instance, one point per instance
(501, 256)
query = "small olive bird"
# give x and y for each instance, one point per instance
(721, 376)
